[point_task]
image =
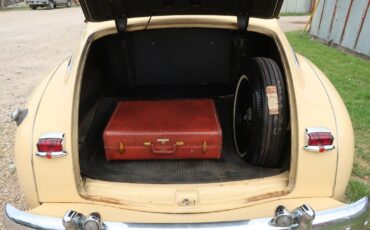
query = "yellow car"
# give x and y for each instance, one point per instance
(287, 139)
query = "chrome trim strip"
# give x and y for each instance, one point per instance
(295, 57)
(351, 216)
(52, 154)
(317, 129)
(58, 135)
(317, 148)
(69, 65)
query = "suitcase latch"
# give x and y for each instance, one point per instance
(121, 148)
(178, 143)
(204, 146)
(163, 148)
(163, 141)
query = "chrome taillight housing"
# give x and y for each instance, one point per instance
(51, 145)
(319, 140)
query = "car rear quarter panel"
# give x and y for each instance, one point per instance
(345, 135)
(322, 106)
(24, 145)
(56, 178)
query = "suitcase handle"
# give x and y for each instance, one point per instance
(163, 150)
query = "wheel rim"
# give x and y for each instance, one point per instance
(242, 115)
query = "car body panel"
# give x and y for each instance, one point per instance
(310, 93)
(24, 144)
(345, 135)
(315, 171)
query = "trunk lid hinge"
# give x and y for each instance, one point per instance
(240, 47)
(119, 12)
(121, 24)
(243, 21)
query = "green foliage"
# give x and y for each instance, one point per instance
(356, 190)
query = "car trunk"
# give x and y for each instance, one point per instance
(165, 64)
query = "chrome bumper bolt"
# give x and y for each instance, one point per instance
(300, 218)
(73, 220)
(93, 222)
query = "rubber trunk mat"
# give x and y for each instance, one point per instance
(229, 168)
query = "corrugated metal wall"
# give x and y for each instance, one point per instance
(296, 6)
(345, 23)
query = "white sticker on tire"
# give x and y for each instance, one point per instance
(272, 100)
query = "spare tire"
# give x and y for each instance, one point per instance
(260, 113)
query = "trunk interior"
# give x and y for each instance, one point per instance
(168, 64)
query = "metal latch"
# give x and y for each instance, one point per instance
(187, 197)
(18, 115)
(300, 218)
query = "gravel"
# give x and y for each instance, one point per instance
(32, 43)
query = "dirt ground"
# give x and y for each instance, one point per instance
(32, 43)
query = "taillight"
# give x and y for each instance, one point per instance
(319, 140)
(51, 145)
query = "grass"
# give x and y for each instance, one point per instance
(356, 190)
(351, 77)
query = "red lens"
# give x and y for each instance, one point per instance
(320, 139)
(50, 145)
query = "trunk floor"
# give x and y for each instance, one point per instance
(229, 168)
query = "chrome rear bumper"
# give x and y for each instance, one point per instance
(351, 216)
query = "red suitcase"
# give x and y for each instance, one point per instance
(172, 129)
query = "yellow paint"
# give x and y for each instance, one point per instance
(311, 175)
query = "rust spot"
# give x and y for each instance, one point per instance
(96, 198)
(268, 195)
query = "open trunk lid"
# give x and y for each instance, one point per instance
(103, 10)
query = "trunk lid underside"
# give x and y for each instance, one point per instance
(103, 10)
